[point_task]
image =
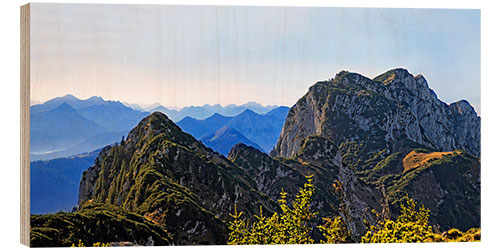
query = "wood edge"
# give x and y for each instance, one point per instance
(25, 124)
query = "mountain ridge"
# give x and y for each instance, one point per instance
(262, 129)
(190, 180)
(225, 138)
(406, 105)
(66, 125)
(376, 123)
(206, 110)
(380, 138)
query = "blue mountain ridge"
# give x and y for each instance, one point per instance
(262, 129)
(205, 111)
(60, 127)
(66, 125)
(54, 183)
(67, 99)
(63, 128)
(224, 138)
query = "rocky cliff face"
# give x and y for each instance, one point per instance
(466, 126)
(392, 106)
(319, 157)
(325, 161)
(391, 131)
(271, 175)
(377, 124)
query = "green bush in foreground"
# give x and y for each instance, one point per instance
(335, 231)
(410, 226)
(455, 235)
(291, 226)
(94, 222)
(97, 244)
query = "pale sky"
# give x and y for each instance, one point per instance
(195, 55)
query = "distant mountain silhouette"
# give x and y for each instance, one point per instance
(202, 128)
(54, 183)
(113, 115)
(67, 99)
(225, 138)
(60, 128)
(66, 125)
(262, 129)
(205, 111)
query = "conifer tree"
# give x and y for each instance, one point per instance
(291, 226)
(410, 226)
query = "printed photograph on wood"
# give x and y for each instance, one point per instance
(213, 125)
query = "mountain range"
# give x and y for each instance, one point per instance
(205, 111)
(225, 138)
(260, 129)
(382, 138)
(54, 183)
(380, 123)
(66, 126)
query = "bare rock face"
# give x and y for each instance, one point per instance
(392, 106)
(86, 190)
(466, 126)
(359, 197)
(270, 175)
(375, 123)
(319, 157)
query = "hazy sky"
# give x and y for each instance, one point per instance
(194, 55)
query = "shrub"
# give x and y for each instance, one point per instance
(291, 226)
(410, 226)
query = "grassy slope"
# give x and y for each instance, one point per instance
(95, 223)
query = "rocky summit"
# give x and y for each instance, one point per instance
(381, 111)
(173, 180)
(379, 122)
(380, 139)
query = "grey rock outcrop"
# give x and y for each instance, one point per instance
(392, 106)
(375, 123)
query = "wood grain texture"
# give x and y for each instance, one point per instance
(25, 124)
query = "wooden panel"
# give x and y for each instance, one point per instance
(25, 124)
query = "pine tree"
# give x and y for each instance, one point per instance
(410, 226)
(335, 230)
(237, 228)
(291, 226)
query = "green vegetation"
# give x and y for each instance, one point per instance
(97, 244)
(335, 231)
(162, 187)
(95, 223)
(291, 226)
(455, 235)
(456, 172)
(410, 226)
